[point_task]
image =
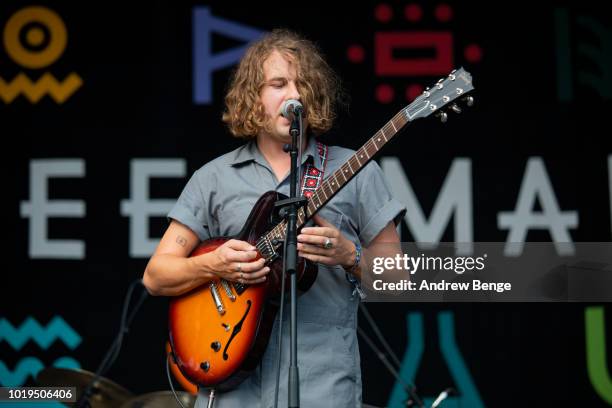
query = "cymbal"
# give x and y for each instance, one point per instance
(105, 393)
(160, 399)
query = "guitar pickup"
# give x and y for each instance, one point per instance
(228, 290)
(217, 298)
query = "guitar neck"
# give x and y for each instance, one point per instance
(332, 184)
(336, 181)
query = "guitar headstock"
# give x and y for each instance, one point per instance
(444, 94)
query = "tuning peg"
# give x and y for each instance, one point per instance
(469, 100)
(455, 108)
(443, 116)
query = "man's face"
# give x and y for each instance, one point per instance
(279, 86)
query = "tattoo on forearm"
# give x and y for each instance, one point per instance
(182, 241)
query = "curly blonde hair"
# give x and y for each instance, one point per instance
(318, 85)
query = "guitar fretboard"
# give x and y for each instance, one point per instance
(332, 184)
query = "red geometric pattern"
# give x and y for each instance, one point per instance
(312, 175)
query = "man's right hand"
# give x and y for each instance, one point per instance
(237, 261)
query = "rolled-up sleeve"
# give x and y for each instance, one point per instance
(192, 208)
(377, 206)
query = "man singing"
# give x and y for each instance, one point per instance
(220, 195)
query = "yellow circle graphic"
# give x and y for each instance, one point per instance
(35, 59)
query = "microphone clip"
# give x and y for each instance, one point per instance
(296, 124)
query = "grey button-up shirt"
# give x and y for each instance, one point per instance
(217, 201)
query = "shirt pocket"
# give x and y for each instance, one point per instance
(231, 218)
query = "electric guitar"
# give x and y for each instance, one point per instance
(220, 330)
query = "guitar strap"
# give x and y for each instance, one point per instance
(312, 176)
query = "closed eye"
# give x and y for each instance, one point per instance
(277, 83)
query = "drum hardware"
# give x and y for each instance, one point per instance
(104, 392)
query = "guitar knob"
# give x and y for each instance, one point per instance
(215, 345)
(469, 101)
(443, 116)
(455, 108)
(205, 366)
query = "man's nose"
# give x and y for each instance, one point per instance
(294, 93)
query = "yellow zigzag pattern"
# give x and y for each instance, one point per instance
(34, 91)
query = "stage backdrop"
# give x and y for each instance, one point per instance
(107, 108)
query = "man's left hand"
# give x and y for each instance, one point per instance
(326, 244)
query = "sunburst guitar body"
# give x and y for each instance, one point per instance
(220, 330)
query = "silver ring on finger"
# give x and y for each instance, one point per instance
(328, 244)
(242, 275)
(239, 268)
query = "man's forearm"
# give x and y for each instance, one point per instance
(171, 275)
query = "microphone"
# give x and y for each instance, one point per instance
(443, 395)
(291, 108)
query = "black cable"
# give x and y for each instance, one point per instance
(113, 352)
(170, 380)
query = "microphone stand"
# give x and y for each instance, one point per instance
(291, 261)
(413, 398)
(289, 210)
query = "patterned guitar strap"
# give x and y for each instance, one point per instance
(312, 176)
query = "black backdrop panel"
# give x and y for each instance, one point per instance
(132, 118)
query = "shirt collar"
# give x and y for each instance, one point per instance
(246, 153)
(249, 152)
(312, 151)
